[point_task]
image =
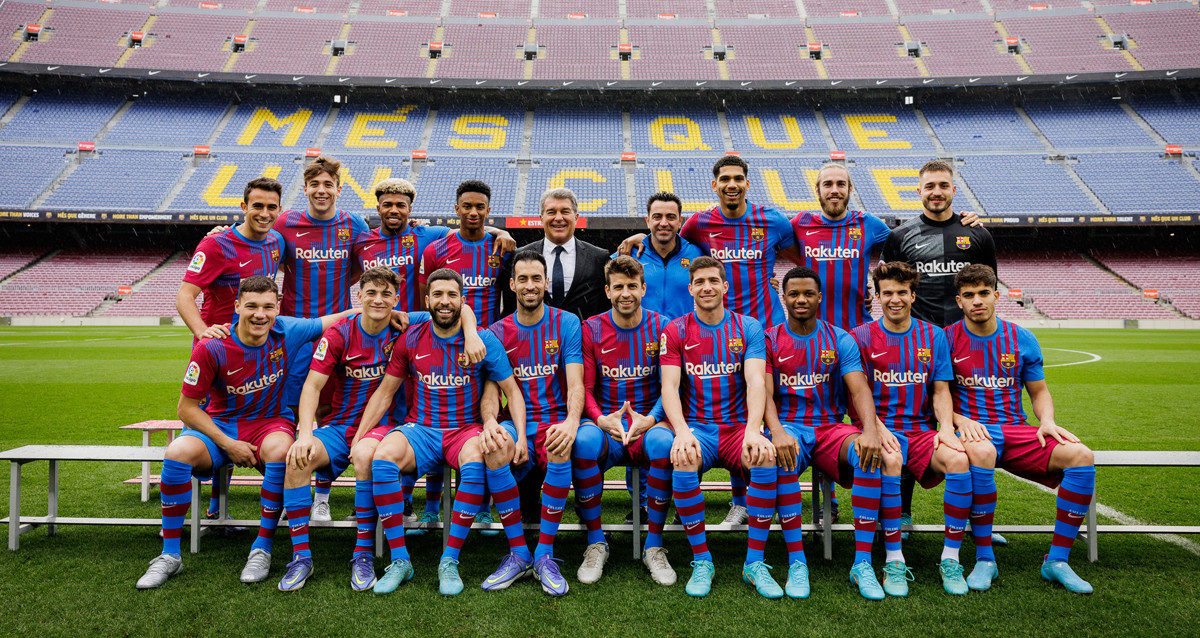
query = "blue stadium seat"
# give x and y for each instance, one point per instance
(217, 184)
(166, 121)
(561, 130)
(52, 117)
(273, 124)
(773, 131)
(28, 170)
(438, 180)
(877, 128)
(1009, 185)
(688, 177)
(598, 183)
(474, 130)
(676, 131)
(116, 179)
(1071, 125)
(377, 127)
(1142, 183)
(977, 126)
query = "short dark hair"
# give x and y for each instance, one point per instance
(624, 265)
(897, 271)
(255, 284)
(935, 165)
(731, 160)
(324, 164)
(975, 275)
(446, 274)
(528, 255)
(380, 275)
(262, 184)
(664, 196)
(473, 186)
(702, 262)
(801, 272)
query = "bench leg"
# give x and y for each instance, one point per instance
(1093, 541)
(637, 513)
(378, 539)
(447, 504)
(197, 491)
(14, 506)
(826, 519)
(52, 499)
(221, 479)
(145, 468)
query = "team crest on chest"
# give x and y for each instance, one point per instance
(343, 234)
(856, 233)
(736, 346)
(408, 240)
(924, 355)
(652, 348)
(550, 346)
(462, 360)
(828, 356)
(684, 262)
(277, 354)
(758, 233)
(387, 348)
(1008, 360)
(493, 261)
(963, 242)
(274, 254)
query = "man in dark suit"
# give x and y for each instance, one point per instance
(575, 267)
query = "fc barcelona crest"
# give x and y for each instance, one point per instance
(1008, 360)
(408, 240)
(387, 348)
(856, 233)
(758, 233)
(550, 346)
(343, 234)
(275, 254)
(924, 355)
(736, 346)
(463, 360)
(963, 242)
(493, 261)
(685, 263)
(276, 355)
(652, 348)
(828, 357)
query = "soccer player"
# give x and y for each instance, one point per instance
(908, 363)
(246, 421)
(620, 374)
(471, 252)
(665, 257)
(544, 345)
(993, 359)
(398, 246)
(713, 364)
(446, 425)
(937, 247)
(813, 365)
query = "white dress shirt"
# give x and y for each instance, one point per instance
(567, 259)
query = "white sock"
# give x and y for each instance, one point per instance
(950, 552)
(894, 554)
(320, 498)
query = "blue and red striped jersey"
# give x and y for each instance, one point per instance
(317, 262)
(539, 355)
(400, 254)
(712, 360)
(355, 361)
(220, 263)
(989, 372)
(901, 368)
(621, 365)
(480, 270)
(840, 252)
(243, 382)
(444, 389)
(808, 373)
(747, 247)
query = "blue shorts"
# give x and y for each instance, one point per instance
(722, 448)
(536, 443)
(434, 447)
(806, 436)
(252, 431)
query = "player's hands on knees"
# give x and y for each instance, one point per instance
(972, 431)
(686, 449)
(946, 437)
(757, 449)
(242, 453)
(493, 437)
(215, 331)
(787, 448)
(869, 450)
(639, 424)
(888, 441)
(300, 453)
(522, 455)
(1059, 434)
(612, 424)
(400, 320)
(473, 347)
(560, 437)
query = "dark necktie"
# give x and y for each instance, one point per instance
(558, 287)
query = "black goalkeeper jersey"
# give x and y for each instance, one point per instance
(938, 250)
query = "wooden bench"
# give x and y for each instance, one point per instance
(1091, 531)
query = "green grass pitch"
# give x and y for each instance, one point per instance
(70, 385)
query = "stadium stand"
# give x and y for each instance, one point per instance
(155, 297)
(667, 52)
(577, 52)
(1064, 285)
(864, 50)
(318, 6)
(483, 50)
(688, 177)
(500, 8)
(117, 179)
(439, 178)
(287, 45)
(766, 52)
(1174, 274)
(216, 184)
(269, 124)
(494, 129)
(1086, 124)
(55, 117)
(1161, 39)
(871, 127)
(577, 130)
(15, 14)
(1177, 119)
(81, 280)
(28, 171)
(14, 259)
(84, 36)
(763, 131)
(386, 49)
(377, 127)
(162, 121)
(836, 8)
(1064, 44)
(424, 8)
(756, 9)
(991, 178)
(681, 130)
(656, 8)
(187, 42)
(962, 47)
(1148, 184)
(562, 9)
(978, 125)
(598, 184)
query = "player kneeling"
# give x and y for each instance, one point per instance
(447, 424)
(620, 375)
(246, 421)
(993, 360)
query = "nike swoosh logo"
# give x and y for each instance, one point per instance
(811, 233)
(928, 243)
(958, 360)
(422, 356)
(1070, 515)
(301, 234)
(694, 345)
(879, 354)
(787, 520)
(782, 359)
(714, 235)
(607, 351)
(353, 357)
(245, 263)
(451, 261)
(510, 351)
(234, 371)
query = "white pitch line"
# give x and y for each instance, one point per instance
(1124, 519)
(1094, 358)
